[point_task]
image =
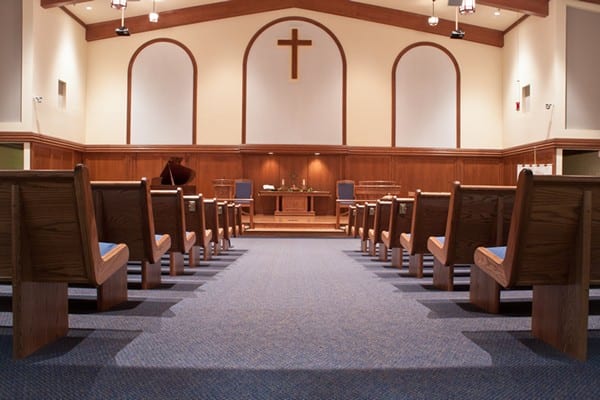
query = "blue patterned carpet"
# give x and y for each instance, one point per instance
(298, 319)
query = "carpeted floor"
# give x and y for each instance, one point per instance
(298, 319)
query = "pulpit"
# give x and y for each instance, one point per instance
(224, 188)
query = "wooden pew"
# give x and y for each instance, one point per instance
(225, 224)
(231, 217)
(553, 246)
(374, 190)
(477, 216)
(368, 220)
(195, 221)
(400, 221)
(48, 240)
(211, 211)
(358, 219)
(169, 218)
(351, 219)
(124, 215)
(430, 211)
(381, 221)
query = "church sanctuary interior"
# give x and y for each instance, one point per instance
(299, 199)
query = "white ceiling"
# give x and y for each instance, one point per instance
(99, 10)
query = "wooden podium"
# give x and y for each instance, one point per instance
(223, 188)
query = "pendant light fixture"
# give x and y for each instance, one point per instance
(153, 16)
(118, 4)
(433, 20)
(467, 7)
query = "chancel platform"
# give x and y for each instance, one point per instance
(295, 225)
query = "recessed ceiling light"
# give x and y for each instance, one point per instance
(89, 8)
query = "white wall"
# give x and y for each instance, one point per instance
(370, 51)
(534, 54)
(59, 52)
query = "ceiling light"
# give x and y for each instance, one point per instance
(433, 20)
(497, 12)
(153, 16)
(467, 7)
(118, 4)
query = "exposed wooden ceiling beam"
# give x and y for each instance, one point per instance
(538, 8)
(344, 8)
(59, 3)
(592, 1)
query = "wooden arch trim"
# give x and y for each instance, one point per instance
(195, 80)
(458, 97)
(245, 69)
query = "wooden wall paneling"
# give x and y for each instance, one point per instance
(542, 156)
(53, 157)
(322, 175)
(481, 171)
(368, 168)
(262, 169)
(432, 174)
(293, 168)
(110, 166)
(210, 166)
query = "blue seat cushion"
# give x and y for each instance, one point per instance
(499, 252)
(440, 239)
(105, 247)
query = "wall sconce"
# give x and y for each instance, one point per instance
(433, 20)
(118, 4)
(153, 16)
(467, 7)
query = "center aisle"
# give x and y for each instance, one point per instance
(299, 304)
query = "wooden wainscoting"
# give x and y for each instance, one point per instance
(319, 166)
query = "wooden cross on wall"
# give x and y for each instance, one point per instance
(294, 43)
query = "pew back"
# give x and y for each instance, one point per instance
(545, 227)
(169, 218)
(400, 220)
(430, 212)
(58, 225)
(477, 216)
(124, 215)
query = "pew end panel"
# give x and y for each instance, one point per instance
(430, 213)
(169, 218)
(381, 221)
(550, 248)
(195, 219)
(400, 221)
(124, 214)
(478, 215)
(53, 242)
(212, 222)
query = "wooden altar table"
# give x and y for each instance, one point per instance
(294, 202)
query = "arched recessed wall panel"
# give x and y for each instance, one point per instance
(162, 94)
(280, 108)
(426, 98)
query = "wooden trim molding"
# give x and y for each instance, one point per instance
(195, 79)
(458, 97)
(245, 69)
(344, 8)
(550, 144)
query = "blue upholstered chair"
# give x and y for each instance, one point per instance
(244, 197)
(344, 193)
